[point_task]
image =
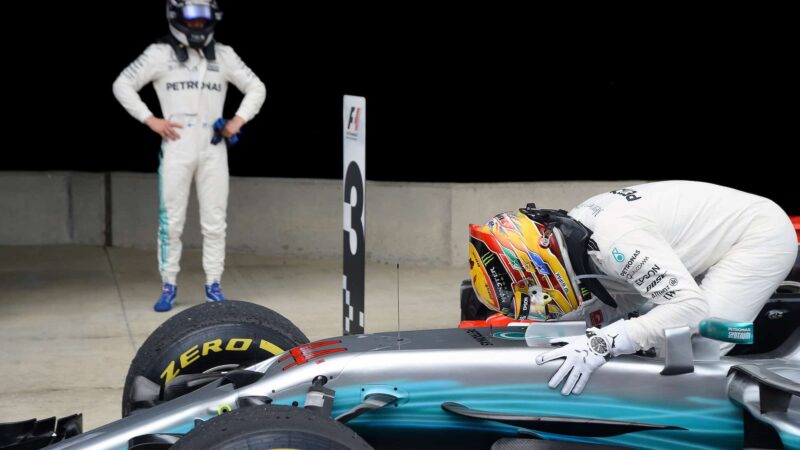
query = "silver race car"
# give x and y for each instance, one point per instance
(236, 375)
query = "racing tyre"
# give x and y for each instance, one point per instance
(209, 337)
(271, 426)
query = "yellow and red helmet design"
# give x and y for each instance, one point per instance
(517, 268)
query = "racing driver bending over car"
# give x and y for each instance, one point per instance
(686, 250)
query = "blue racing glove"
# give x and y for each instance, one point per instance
(218, 126)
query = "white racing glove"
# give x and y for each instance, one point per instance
(585, 354)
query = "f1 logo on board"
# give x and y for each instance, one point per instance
(353, 120)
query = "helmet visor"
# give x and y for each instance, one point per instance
(193, 12)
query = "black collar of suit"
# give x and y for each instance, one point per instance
(182, 52)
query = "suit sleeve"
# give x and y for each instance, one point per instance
(646, 261)
(246, 81)
(128, 84)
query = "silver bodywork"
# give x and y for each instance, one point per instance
(491, 370)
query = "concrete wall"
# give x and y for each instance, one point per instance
(406, 222)
(51, 208)
(270, 216)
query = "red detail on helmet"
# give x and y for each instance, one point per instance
(305, 353)
(492, 243)
(796, 223)
(596, 317)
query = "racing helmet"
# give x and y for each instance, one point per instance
(519, 266)
(179, 12)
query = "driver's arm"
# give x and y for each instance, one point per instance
(140, 72)
(662, 279)
(237, 72)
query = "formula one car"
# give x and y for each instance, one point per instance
(238, 375)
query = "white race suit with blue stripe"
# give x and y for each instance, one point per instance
(191, 93)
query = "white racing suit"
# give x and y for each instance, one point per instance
(192, 94)
(692, 250)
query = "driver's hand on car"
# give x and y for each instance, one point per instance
(585, 354)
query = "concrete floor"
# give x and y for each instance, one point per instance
(72, 317)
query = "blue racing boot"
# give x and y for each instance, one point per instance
(214, 293)
(168, 294)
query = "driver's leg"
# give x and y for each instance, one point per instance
(739, 285)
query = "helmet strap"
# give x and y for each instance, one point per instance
(208, 51)
(182, 51)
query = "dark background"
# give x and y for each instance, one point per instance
(473, 94)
